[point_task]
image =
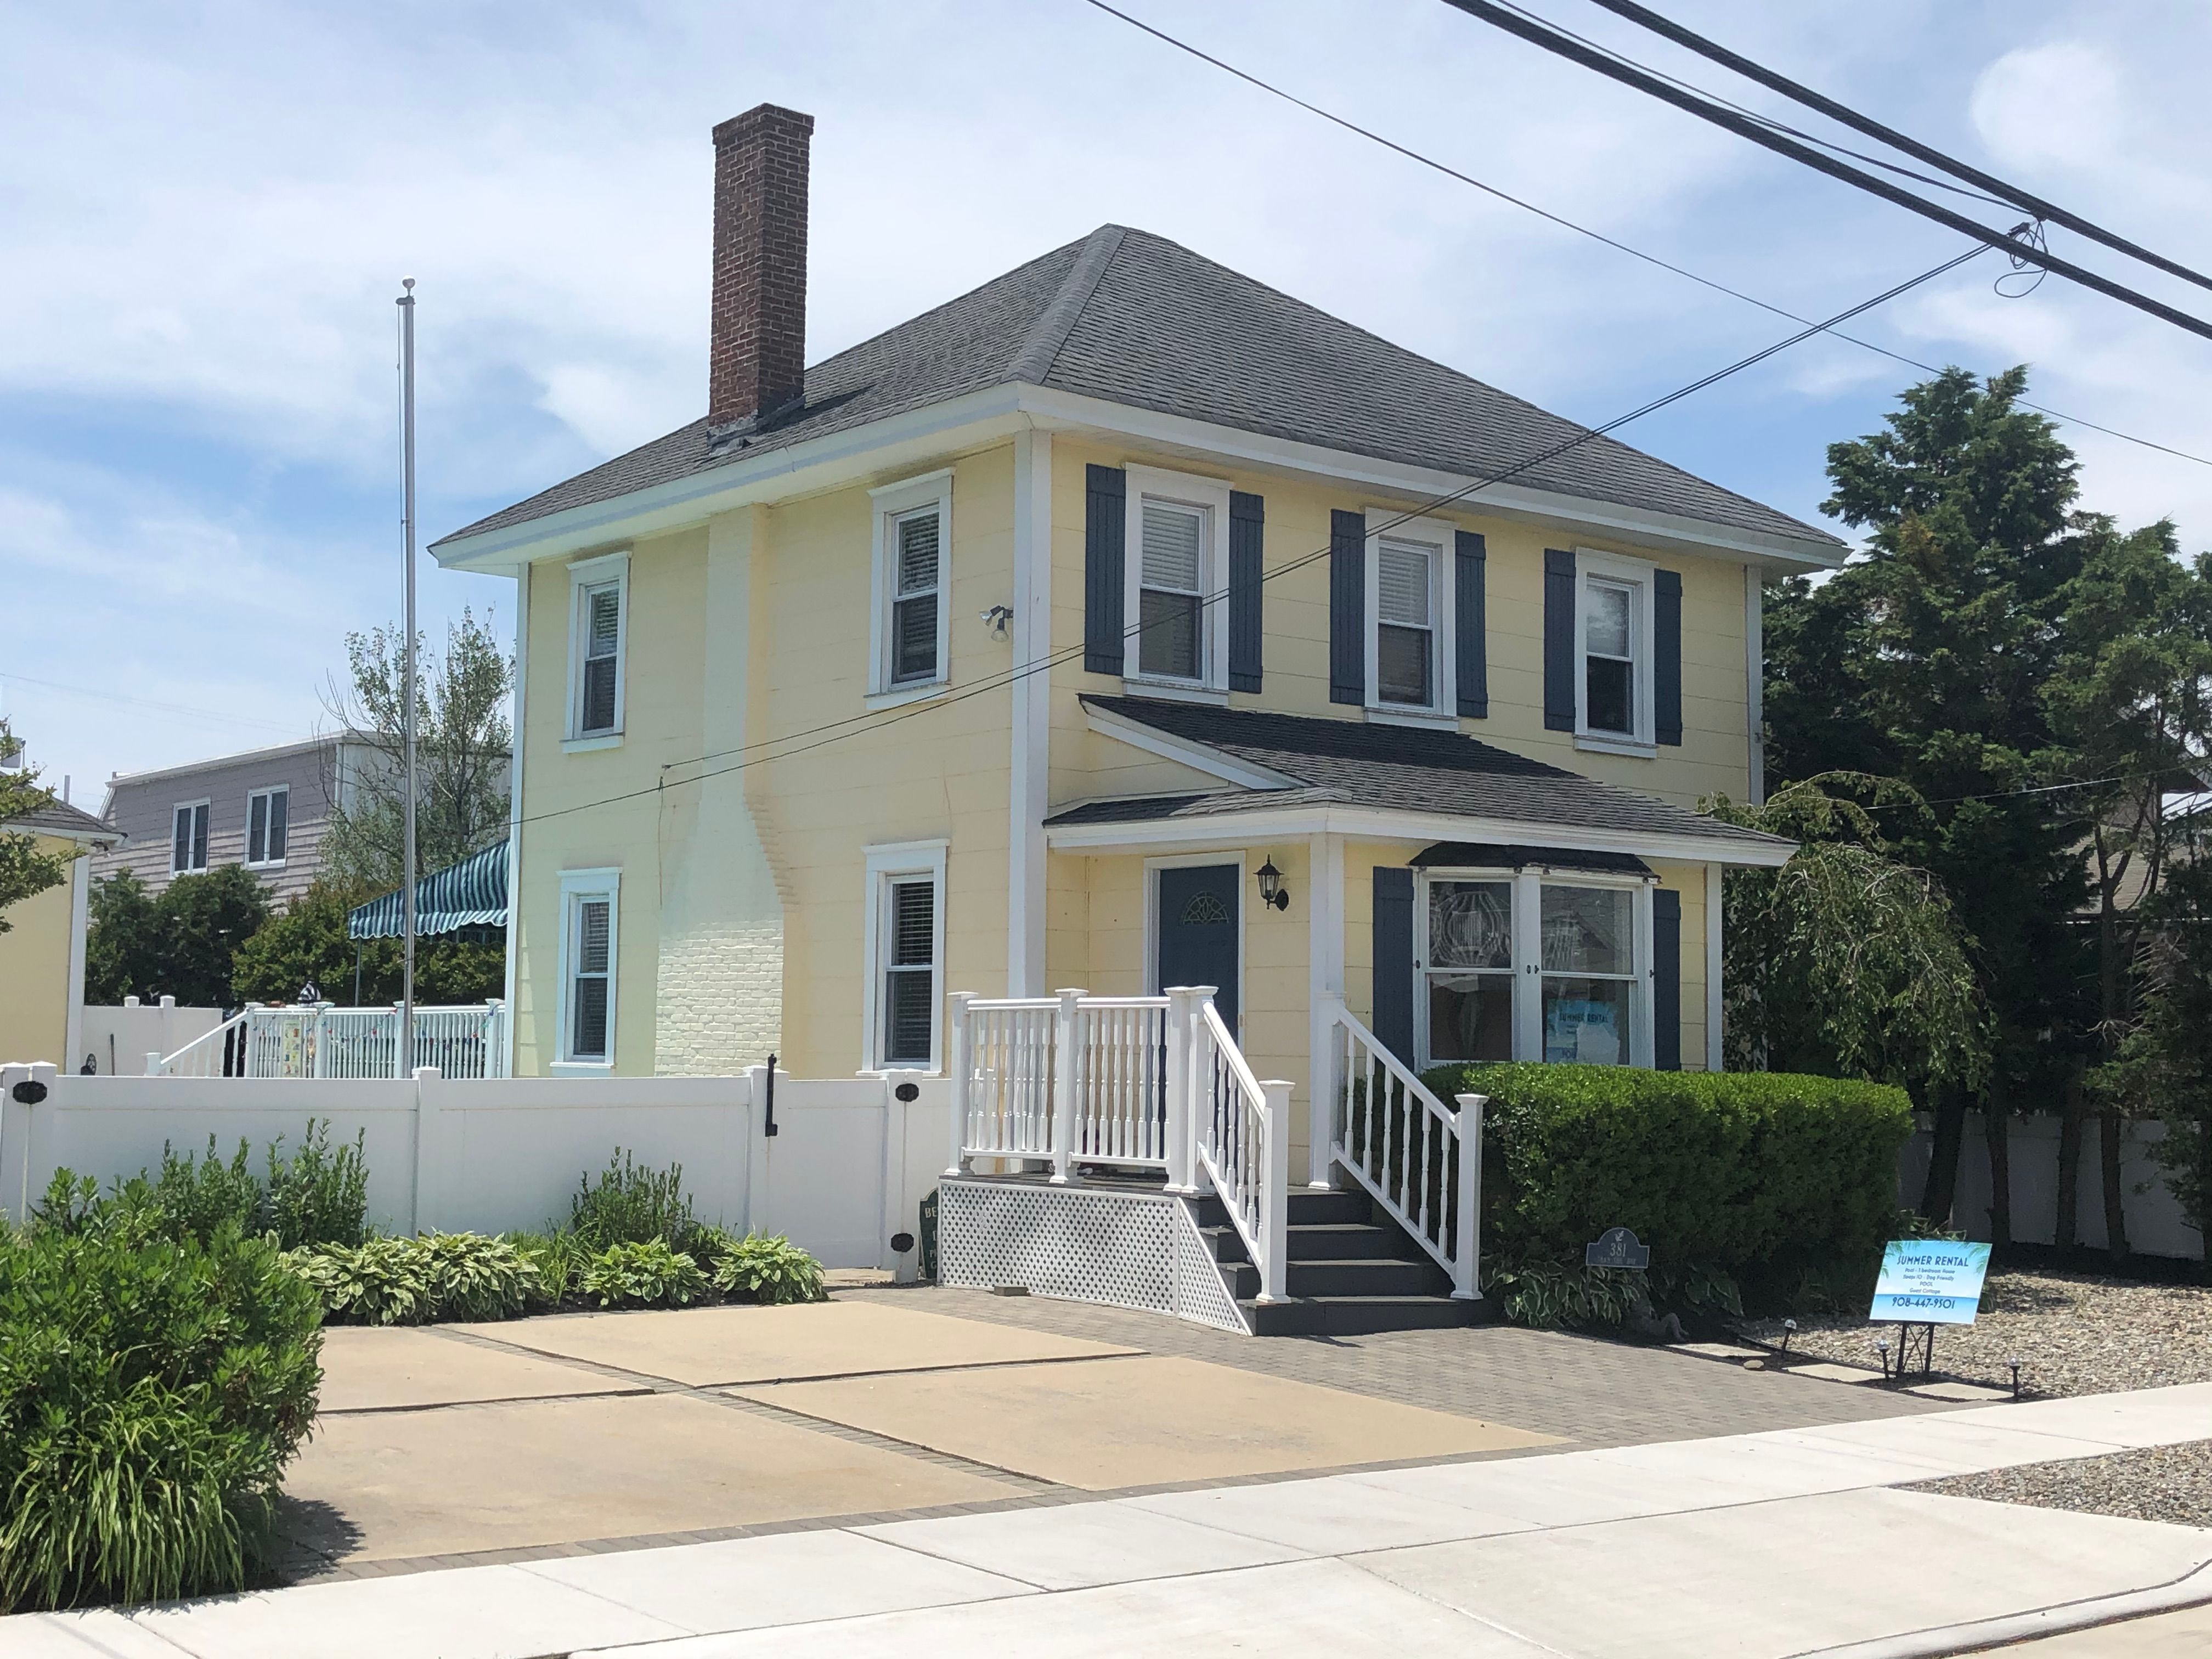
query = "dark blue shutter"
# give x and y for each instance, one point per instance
(1559, 665)
(1469, 623)
(1347, 607)
(1104, 523)
(1247, 530)
(1667, 656)
(1666, 979)
(1393, 960)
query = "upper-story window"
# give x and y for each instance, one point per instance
(267, 815)
(911, 612)
(1615, 684)
(598, 638)
(188, 838)
(1410, 669)
(1176, 569)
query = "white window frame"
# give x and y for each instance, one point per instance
(270, 793)
(1641, 578)
(1529, 974)
(891, 503)
(585, 575)
(1211, 497)
(1442, 538)
(575, 886)
(886, 864)
(208, 862)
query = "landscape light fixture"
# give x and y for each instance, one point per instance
(2015, 1363)
(1788, 1330)
(1271, 886)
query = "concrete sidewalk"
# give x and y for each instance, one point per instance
(1783, 1543)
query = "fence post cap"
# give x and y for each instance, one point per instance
(429, 1073)
(1466, 1100)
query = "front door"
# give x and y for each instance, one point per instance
(1198, 931)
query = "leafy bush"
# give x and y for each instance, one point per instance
(1753, 1178)
(558, 1259)
(472, 1277)
(767, 1269)
(151, 1396)
(642, 1274)
(316, 1196)
(380, 1281)
(633, 1206)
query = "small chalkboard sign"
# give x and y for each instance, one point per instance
(1617, 1246)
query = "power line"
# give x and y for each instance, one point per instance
(839, 730)
(1896, 140)
(2013, 242)
(1526, 206)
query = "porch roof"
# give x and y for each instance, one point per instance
(1426, 775)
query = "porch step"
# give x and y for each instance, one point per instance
(1350, 1271)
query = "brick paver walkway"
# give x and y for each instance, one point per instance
(1595, 1393)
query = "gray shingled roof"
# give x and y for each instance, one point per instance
(1134, 318)
(1430, 770)
(58, 818)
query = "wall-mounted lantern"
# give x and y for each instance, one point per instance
(1271, 886)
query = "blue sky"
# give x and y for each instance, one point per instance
(209, 208)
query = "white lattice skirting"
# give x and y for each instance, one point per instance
(1082, 1244)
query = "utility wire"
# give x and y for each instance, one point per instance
(838, 731)
(1449, 172)
(1850, 118)
(2013, 242)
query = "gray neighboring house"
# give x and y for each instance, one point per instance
(265, 809)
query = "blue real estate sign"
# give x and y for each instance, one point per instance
(1929, 1281)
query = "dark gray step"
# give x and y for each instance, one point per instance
(1328, 1315)
(1347, 1241)
(1370, 1277)
(1308, 1208)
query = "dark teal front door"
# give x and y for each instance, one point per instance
(1198, 931)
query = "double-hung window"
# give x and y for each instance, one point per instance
(1616, 631)
(598, 641)
(1526, 964)
(912, 607)
(1410, 582)
(267, 813)
(590, 914)
(188, 838)
(904, 949)
(1176, 571)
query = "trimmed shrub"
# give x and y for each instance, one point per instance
(633, 1206)
(647, 1273)
(151, 1394)
(1762, 1178)
(767, 1269)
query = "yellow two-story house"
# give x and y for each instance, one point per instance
(1121, 624)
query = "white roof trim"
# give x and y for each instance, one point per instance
(1199, 758)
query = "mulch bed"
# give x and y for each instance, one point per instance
(2160, 1483)
(2073, 1332)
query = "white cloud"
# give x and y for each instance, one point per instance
(2058, 106)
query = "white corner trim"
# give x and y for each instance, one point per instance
(1714, 1000)
(1754, 681)
(1196, 755)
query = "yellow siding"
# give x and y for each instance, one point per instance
(35, 992)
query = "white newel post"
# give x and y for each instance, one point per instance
(961, 1071)
(1275, 1192)
(1064, 1103)
(1182, 1104)
(1466, 1267)
(153, 1063)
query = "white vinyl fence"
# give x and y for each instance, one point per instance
(840, 1168)
(2155, 1224)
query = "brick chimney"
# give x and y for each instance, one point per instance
(756, 355)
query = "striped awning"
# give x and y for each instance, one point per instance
(470, 894)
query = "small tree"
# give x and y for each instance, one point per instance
(1846, 961)
(463, 741)
(24, 869)
(308, 943)
(180, 944)
(121, 952)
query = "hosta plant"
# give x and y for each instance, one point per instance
(473, 1277)
(769, 1269)
(383, 1281)
(645, 1273)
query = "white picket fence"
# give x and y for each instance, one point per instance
(321, 1040)
(1135, 1083)
(842, 1172)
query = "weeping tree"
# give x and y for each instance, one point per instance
(1848, 961)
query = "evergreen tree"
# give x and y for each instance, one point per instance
(24, 868)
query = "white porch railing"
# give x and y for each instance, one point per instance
(1145, 1083)
(320, 1041)
(1416, 1158)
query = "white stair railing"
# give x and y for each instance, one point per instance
(320, 1041)
(1240, 1128)
(204, 1056)
(1418, 1158)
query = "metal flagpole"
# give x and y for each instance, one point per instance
(404, 1048)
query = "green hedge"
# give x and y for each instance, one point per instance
(1764, 1175)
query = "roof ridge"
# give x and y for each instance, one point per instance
(1049, 332)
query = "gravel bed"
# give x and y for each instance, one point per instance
(2160, 1483)
(2075, 1333)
